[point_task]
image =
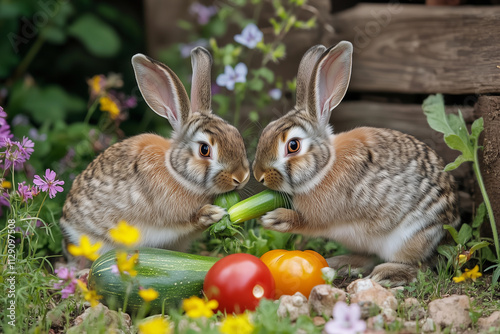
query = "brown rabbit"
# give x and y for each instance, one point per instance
(163, 187)
(377, 191)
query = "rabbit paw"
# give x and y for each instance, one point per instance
(210, 214)
(281, 220)
(394, 274)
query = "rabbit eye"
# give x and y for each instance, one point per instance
(204, 150)
(293, 146)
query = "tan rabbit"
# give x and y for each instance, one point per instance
(163, 187)
(377, 191)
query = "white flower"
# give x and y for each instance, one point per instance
(250, 36)
(275, 93)
(232, 76)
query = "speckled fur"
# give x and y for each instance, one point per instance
(377, 191)
(161, 186)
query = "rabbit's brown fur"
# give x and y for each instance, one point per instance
(163, 187)
(377, 191)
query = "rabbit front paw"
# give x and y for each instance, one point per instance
(210, 214)
(281, 220)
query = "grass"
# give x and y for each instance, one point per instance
(40, 309)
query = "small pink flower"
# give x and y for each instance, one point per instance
(346, 320)
(67, 282)
(24, 192)
(49, 183)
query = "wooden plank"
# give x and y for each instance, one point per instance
(488, 107)
(422, 49)
(407, 118)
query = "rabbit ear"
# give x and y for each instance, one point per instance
(201, 93)
(162, 90)
(329, 81)
(306, 67)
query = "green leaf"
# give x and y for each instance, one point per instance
(253, 116)
(488, 255)
(478, 245)
(479, 217)
(476, 129)
(495, 276)
(99, 38)
(447, 251)
(265, 73)
(54, 35)
(464, 234)
(433, 107)
(456, 142)
(453, 232)
(49, 103)
(256, 84)
(457, 123)
(455, 164)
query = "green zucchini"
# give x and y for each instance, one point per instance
(227, 200)
(174, 275)
(257, 205)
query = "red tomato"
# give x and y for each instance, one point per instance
(295, 271)
(238, 282)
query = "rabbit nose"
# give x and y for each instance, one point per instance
(262, 179)
(236, 181)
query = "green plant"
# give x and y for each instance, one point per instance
(457, 137)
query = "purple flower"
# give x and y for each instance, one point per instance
(3, 114)
(20, 120)
(24, 192)
(346, 320)
(232, 76)
(202, 12)
(50, 184)
(27, 147)
(250, 36)
(275, 93)
(14, 154)
(67, 281)
(186, 48)
(33, 133)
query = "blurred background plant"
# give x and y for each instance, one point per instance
(68, 84)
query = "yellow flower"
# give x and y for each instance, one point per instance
(473, 273)
(110, 106)
(148, 295)
(238, 324)
(196, 307)
(126, 266)
(96, 83)
(85, 249)
(89, 295)
(6, 184)
(155, 325)
(125, 234)
(462, 259)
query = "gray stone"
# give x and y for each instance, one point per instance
(451, 311)
(293, 306)
(493, 321)
(323, 297)
(117, 322)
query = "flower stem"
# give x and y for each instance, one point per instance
(477, 171)
(40, 208)
(91, 110)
